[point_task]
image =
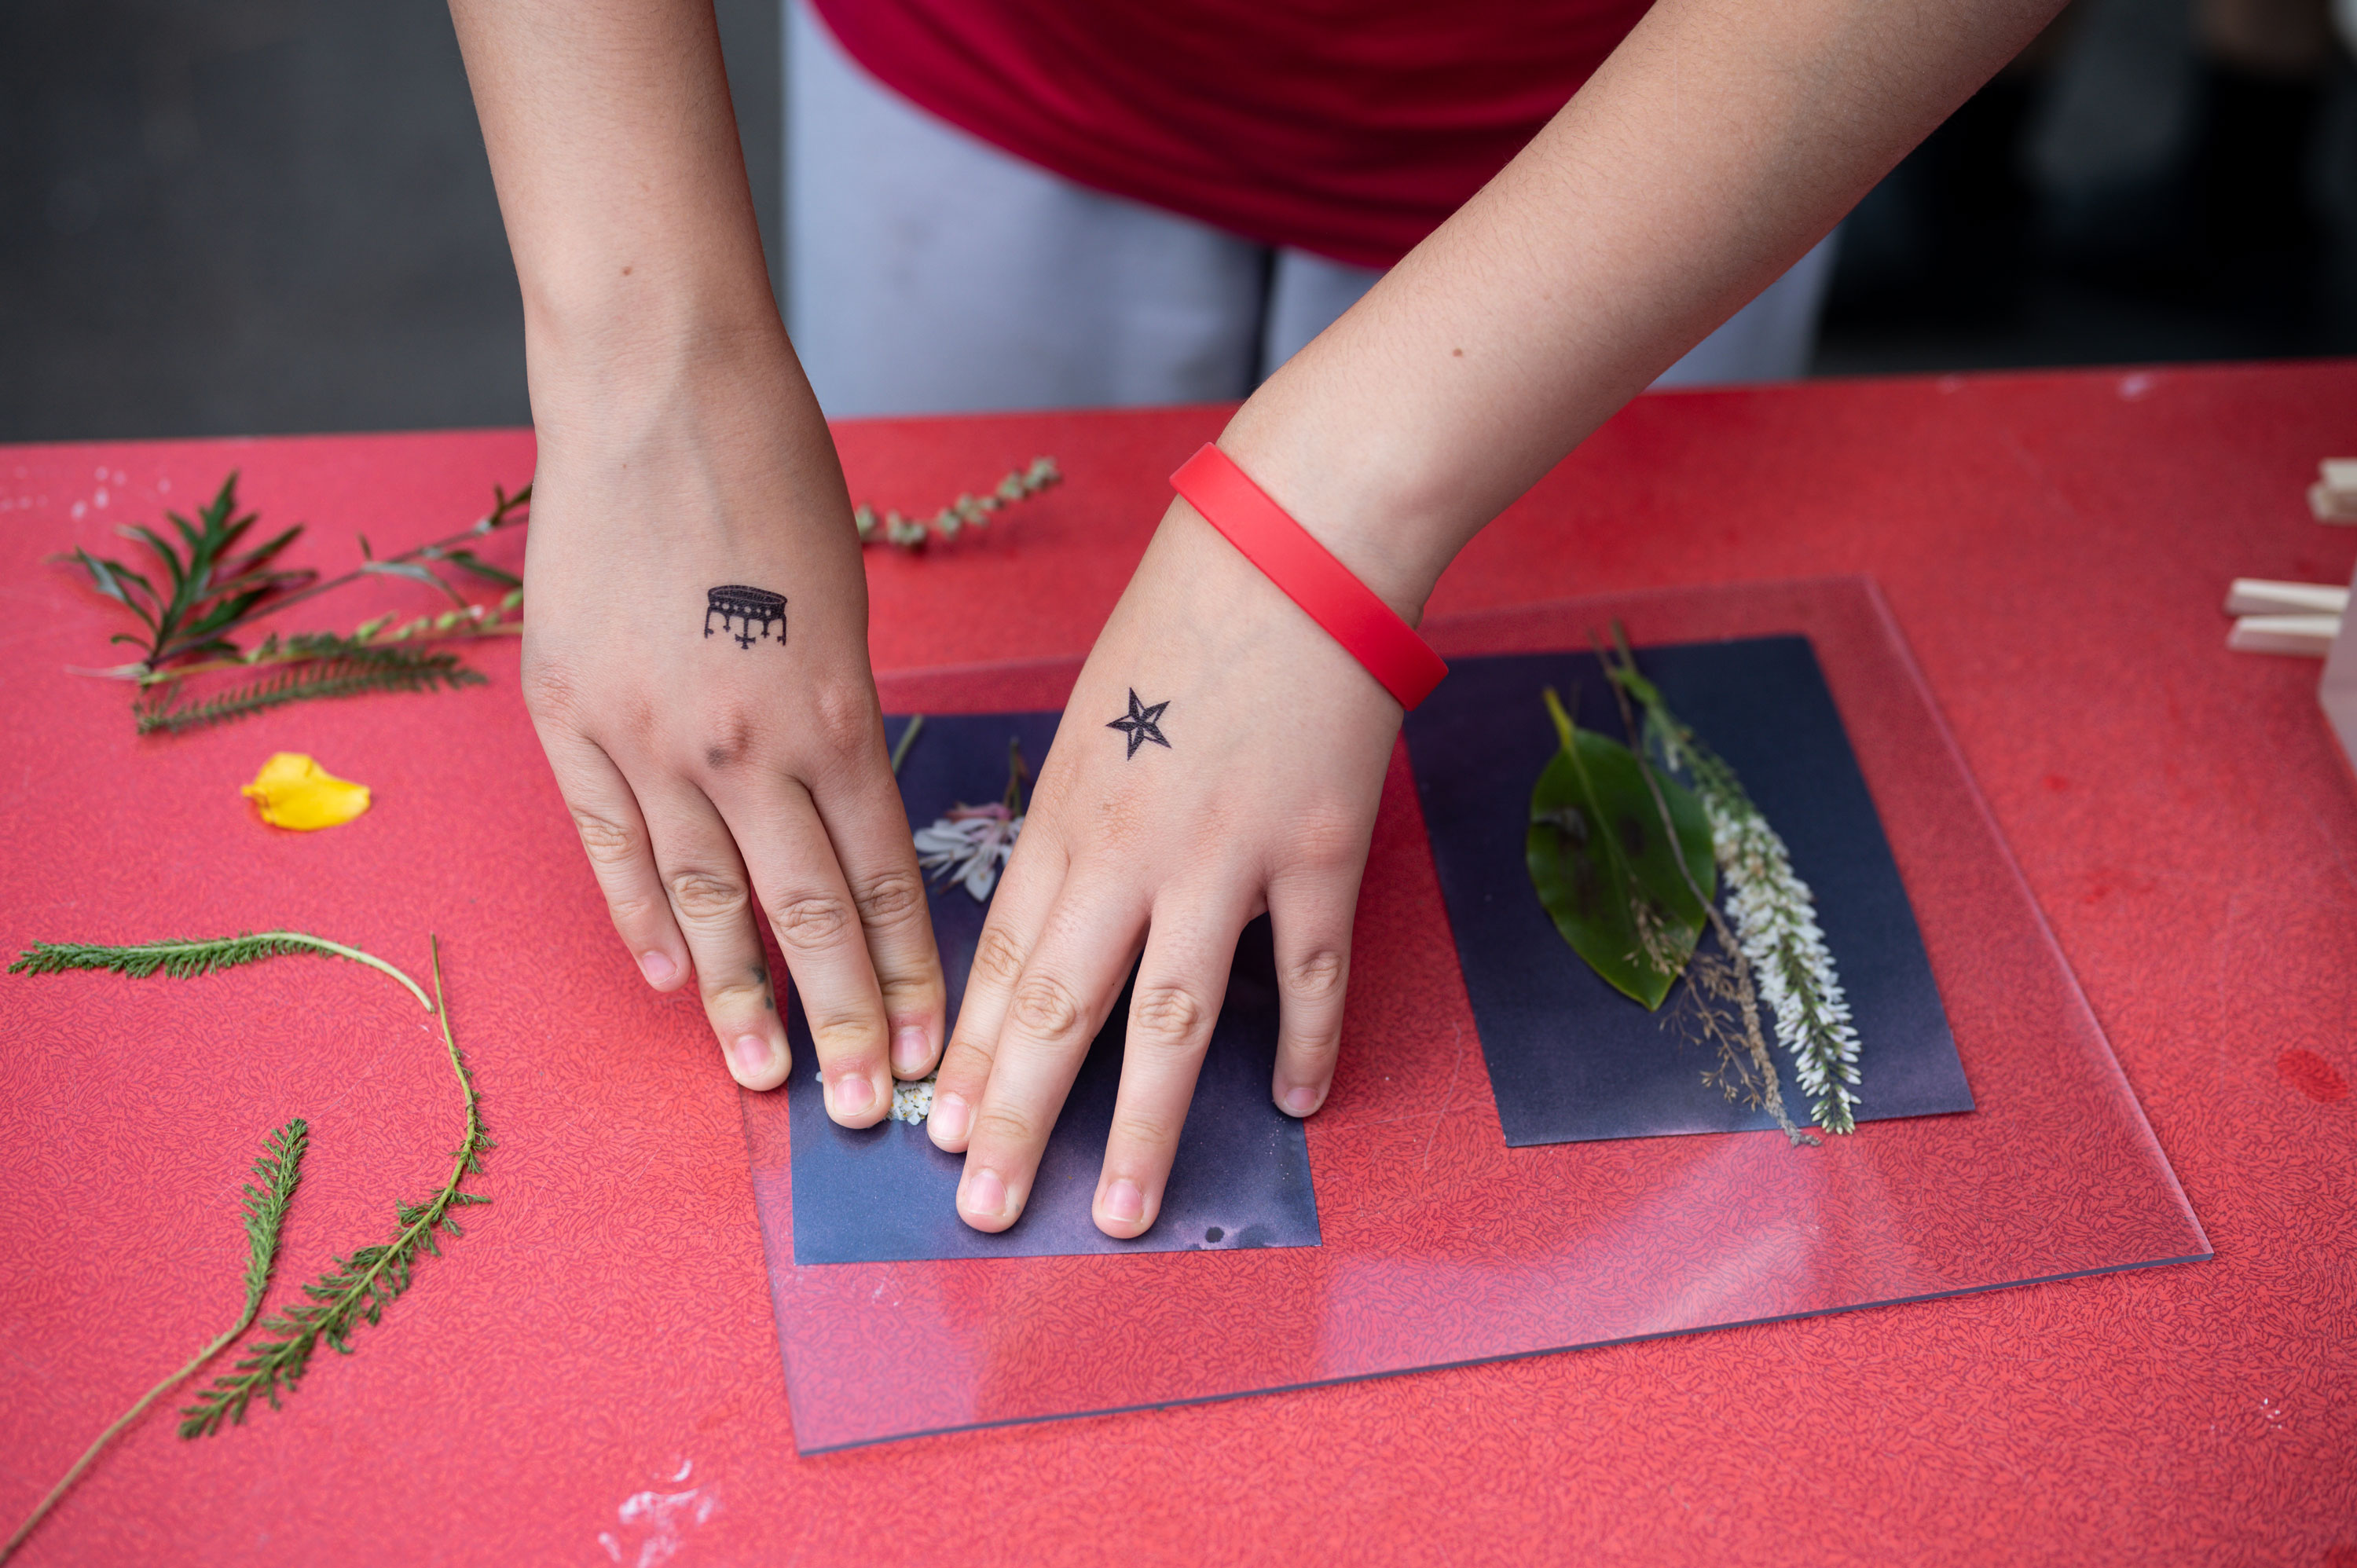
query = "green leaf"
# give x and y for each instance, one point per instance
(414, 572)
(467, 560)
(1607, 873)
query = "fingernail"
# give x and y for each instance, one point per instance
(657, 968)
(950, 1116)
(986, 1194)
(909, 1048)
(1124, 1202)
(1302, 1099)
(851, 1093)
(753, 1054)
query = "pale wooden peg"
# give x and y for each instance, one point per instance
(2337, 692)
(2306, 637)
(2261, 596)
(2333, 497)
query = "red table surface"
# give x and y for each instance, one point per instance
(592, 1373)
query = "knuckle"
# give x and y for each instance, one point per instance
(1001, 1127)
(998, 959)
(965, 1068)
(889, 899)
(1047, 1008)
(1166, 1016)
(809, 921)
(736, 998)
(1314, 1053)
(729, 735)
(607, 842)
(1317, 976)
(706, 896)
(842, 717)
(630, 912)
(550, 688)
(1325, 841)
(845, 1041)
(1135, 1130)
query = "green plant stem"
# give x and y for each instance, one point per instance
(907, 739)
(496, 518)
(89, 1454)
(146, 677)
(264, 1209)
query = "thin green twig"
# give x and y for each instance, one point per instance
(907, 739)
(279, 1166)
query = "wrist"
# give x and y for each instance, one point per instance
(597, 325)
(1367, 502)
(717, 379)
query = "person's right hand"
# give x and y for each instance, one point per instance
(722, 774)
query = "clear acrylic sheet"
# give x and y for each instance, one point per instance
(1441, 1244)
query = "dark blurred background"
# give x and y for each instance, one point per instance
(267, 216)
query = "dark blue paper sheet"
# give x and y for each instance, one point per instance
(1570, 1058)
(885, 1194)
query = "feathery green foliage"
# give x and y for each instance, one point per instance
(349, 671)
(212, 590)
(214, 593)
(360, 1286)
(279, 1166)
(185, 959)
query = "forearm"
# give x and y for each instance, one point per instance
(614, 149)
(1718, 143)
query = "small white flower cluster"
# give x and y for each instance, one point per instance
(912, 1102)
(1775, 920)
(966, 511)
(969, 846)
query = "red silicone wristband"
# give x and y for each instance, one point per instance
(1370, 630)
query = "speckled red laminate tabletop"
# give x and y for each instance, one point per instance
(592, 1374)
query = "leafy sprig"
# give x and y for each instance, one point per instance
(333, 667)
(966, 511)
(212, 589)
(1775, 943)
(359, 1287)
(507, 510)
(216, 594)
(278, 1168)
(186, 959)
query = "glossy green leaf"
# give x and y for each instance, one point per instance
(1608, 873)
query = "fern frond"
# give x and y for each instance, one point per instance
(359, 1287)
(279, 1166)
(185, 959)
(347, 673)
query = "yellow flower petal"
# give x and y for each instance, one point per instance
(294, 791)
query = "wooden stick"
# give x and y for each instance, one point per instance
(2261, 597)
(2307, 636)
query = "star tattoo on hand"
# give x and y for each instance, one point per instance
(1142, 724)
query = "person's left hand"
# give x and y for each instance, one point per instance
(1253, 788)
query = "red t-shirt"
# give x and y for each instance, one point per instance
(1350, 128)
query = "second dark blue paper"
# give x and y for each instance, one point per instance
(885, 1194)
(1570, 1058)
